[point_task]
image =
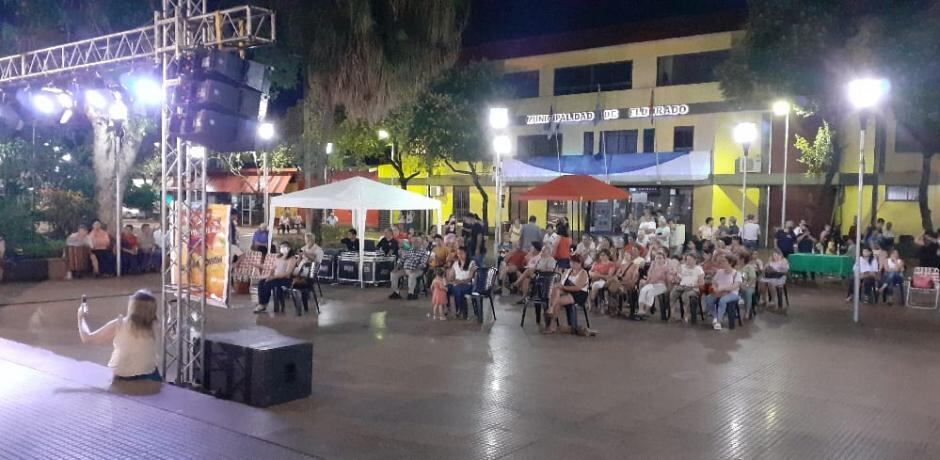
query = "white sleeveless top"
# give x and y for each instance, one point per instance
(134, 352)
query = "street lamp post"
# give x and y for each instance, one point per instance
(744, 133)
(782, 108)
(865, 94)
(499, 120)
(265, 133)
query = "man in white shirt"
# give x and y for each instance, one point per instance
(676, 237)
(688, 280)
(750, 233)
(707, 232)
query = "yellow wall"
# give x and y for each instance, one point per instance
(905, 215)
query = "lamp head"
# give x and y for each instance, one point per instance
(781, 108)
(865, 93)
(745, 133)
(383, 134)
(502, 145)
(499, 117)
(266, 131)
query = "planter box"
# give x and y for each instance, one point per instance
(26, 270)
(57, 268)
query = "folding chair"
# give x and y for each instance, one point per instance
(926, 275)
(308, 271)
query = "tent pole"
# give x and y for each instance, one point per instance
(270, 227)
(360, 222)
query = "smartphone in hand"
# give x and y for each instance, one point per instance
(84, 305)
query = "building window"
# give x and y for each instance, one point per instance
(686, 69)
(683, 138)
(611, 76)
(901, 193)
(589, 142)
(461, 200)
(523, 84)
(618, 141)
(536, 145)
(649, 140)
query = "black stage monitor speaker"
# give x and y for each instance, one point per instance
(256, 367)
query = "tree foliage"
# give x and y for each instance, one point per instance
(812, 48)
(358, 142)
(815, 155)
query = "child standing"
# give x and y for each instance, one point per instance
(438, 295)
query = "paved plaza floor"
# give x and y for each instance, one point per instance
(388, 383)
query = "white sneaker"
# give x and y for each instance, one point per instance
(716, 325)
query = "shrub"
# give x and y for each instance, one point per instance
(65, 210)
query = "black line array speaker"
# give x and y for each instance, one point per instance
(258, 367)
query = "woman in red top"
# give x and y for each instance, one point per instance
(601, 272)
(563, 248)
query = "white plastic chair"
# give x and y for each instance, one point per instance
(934, 274)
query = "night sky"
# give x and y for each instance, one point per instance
(496, 20)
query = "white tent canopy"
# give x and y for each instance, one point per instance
(359, 195)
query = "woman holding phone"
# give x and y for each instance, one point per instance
(132, 335)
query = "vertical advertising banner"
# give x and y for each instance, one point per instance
(217, 259)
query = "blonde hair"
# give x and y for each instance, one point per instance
(142, 311)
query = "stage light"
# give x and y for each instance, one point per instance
(117, 111)
(66, 116)
(97, 99)
(64, 99)
(44, 103)
(265, 131)
(147, 90)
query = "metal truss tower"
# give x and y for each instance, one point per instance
(182, 27)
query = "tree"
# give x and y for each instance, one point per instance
(362, 58)
(811, 48)
(359, 142)
(816, 156)
(29, 25)
(449, 121)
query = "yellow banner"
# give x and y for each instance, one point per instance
(218, 258)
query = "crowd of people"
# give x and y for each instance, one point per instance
(653, 266)
(94, 251)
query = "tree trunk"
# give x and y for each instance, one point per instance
(317, 129)
(486, 199)
(113, 147)
(926, 219)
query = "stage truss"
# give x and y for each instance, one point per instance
(177, 31)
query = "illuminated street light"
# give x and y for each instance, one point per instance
(781, 108)
(502, 145)
(499, 118)
(864, 94)
(329, 148)
(266, 131)
(383, 134)
(744, 133)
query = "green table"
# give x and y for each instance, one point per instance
(821, 263)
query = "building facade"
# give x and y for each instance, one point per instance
(640, 107)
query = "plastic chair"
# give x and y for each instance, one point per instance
(931, 273)
(539, 294)
(483, 289)
(309, 272)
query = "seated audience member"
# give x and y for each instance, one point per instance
(773, 275)
(439, 252)
(145, 248)
(259, 239)
(586, 249)
(687, 283)
(463, 272)
(725, 286)
(412, 264)
(78, 252)
(870, 273)
(655, 284)
(101, 248)
(601, 273)
(284, 265)
(129, 250)
(311, 251)
(747, 266)
(298, 222)
(135, 342)
(351, 240)
(284, 223)
(893, 277)
(514, 263)
(627, 278)
(543, 262)
(388, 245)
(571, 290)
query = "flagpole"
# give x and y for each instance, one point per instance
(659, 178)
